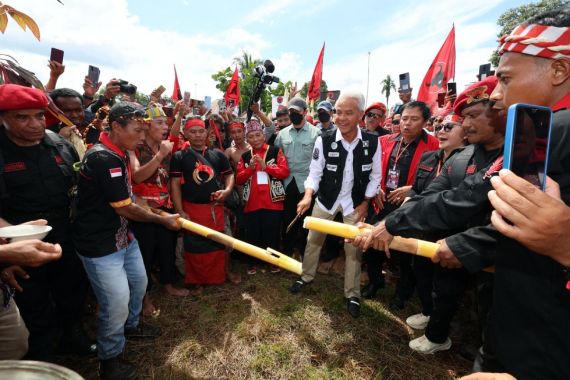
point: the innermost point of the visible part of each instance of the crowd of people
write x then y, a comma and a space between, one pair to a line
112, 177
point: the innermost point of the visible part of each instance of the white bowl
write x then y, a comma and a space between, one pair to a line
24, 232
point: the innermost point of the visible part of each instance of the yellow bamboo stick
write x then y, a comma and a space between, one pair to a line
268, 255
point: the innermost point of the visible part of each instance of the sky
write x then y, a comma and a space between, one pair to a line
139, 41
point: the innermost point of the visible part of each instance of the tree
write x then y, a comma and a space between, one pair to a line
21, 19
305, 89
515, 16
387, 85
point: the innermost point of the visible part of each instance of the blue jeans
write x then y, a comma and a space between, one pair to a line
119, 283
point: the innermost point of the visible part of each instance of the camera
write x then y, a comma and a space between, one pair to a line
265, 76
264, 73
126, 87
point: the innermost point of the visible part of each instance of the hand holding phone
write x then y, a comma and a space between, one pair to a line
56, 55
93, 74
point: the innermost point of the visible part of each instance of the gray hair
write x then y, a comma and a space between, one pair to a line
360, 101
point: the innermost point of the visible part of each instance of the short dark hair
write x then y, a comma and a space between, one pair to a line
426, 113
65, 93
559, 17
282, 112
217, 119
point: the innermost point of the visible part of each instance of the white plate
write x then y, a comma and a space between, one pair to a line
24, 232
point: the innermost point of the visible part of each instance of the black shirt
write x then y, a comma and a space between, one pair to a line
404, 153
34, 179
199, 172
104, 184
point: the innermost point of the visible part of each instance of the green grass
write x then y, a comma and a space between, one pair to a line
258, 330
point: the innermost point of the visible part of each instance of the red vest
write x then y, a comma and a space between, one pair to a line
388, 142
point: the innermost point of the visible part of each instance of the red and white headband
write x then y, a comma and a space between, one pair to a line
538, 40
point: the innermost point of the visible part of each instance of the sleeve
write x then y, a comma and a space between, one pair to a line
279, 170
316, 166
278, 142
375, 175
475, 248
176, 165
439, 209
225, 167
269, 131
175, 143
110, 174
243, 173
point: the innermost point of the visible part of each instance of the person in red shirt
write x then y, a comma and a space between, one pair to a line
261, 172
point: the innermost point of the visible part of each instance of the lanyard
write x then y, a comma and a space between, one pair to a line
399, 154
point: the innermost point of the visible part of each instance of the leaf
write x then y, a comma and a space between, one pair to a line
24, 21
3, 21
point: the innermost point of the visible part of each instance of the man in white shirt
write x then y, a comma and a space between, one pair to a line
345, 175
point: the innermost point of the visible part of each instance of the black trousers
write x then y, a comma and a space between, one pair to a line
157, 243
297, 236
423, 272
449, 285
54, 295
262, 229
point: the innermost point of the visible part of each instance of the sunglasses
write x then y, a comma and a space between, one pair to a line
447, 127
374, 115
133, 114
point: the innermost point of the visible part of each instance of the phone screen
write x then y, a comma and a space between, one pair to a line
451, 88
528, 158
440, 99
56, 55
93, 75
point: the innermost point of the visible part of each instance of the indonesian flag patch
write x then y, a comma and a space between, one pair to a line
116, 172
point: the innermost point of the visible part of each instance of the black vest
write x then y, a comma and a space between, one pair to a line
335, 158
276, 188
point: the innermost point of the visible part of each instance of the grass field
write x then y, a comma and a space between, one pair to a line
258, 330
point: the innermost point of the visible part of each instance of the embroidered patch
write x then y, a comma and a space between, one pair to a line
331, 168
471, 169
316, 154
14, 167
366, 152
334, 154
365, 143
426, 168
334, 145
59, 160
116, 172
367, 167
494, 168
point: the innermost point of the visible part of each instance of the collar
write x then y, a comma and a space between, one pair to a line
305, 127
262, 149
422, 136
105, 140
562, 103
338, 135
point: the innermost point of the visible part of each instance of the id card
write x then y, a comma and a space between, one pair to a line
262, 178
392, 179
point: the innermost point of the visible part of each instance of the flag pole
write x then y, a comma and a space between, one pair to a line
368, 78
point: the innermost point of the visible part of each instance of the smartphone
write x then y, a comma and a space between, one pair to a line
405, 82
222, 105
451, 88
527, 142
440, 99
56, 55
93, 75
168, 111
484, 71
159, 91
187, 98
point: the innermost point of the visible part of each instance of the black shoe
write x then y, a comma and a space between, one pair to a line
117, 369
370, 289
298, 286
397, 303
353, 306
142, 331
76, 341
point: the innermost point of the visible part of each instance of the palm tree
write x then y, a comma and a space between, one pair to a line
246, 61
387, 85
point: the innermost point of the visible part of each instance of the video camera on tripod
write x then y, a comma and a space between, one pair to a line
265, 76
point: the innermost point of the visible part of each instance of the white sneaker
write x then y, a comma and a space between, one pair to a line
418, 321
424, 346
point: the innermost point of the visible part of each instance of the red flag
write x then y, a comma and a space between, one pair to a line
232, 93
176, 94
314, 90
440, 72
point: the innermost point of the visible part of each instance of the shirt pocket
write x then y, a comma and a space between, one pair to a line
288, 148
307, 150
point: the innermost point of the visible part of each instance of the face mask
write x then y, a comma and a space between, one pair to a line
324, 117
296, 118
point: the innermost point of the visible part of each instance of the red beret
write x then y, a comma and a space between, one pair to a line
16, 97
475, 93
376, 106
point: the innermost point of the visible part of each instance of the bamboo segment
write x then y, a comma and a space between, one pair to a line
268, 255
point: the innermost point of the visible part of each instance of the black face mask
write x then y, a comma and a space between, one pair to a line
296, 118
324, 117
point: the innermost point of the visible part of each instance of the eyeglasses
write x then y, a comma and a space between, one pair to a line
374, 115
447, 127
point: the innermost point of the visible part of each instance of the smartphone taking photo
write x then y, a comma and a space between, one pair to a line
93, 75
56, 55
527, 142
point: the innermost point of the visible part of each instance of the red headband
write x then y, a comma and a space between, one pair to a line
236, 125
194, 123
538, 40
